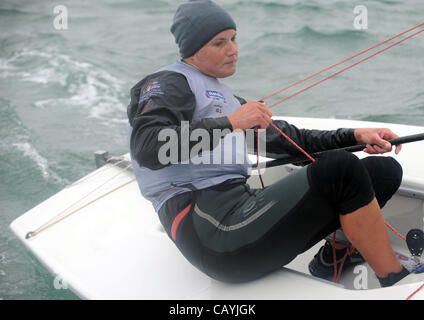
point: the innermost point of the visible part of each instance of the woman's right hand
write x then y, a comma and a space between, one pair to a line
250, 115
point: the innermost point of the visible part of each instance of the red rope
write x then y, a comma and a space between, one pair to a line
343, 61
329, 77
342, 70
257, 161
349, 251
292, 142
285, 136
410, 296
337, 274
395, 231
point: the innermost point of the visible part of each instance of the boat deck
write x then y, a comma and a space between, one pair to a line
106, 245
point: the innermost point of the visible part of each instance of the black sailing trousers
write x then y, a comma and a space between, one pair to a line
234, 233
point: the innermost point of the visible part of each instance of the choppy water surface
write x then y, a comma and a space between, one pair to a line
63, 93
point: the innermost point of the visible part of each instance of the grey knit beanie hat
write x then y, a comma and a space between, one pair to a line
196, 23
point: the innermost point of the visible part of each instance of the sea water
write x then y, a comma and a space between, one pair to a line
66, 70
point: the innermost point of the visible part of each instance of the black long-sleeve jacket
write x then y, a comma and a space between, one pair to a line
164, 99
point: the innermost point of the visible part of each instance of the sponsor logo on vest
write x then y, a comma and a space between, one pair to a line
214, 95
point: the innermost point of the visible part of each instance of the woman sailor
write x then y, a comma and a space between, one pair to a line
225, 228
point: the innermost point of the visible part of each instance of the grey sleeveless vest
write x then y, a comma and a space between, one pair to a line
227, 161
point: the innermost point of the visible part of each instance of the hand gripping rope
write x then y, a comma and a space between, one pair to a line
337, 274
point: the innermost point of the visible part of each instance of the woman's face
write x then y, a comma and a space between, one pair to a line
217, 58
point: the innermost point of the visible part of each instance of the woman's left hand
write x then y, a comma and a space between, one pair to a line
376, 140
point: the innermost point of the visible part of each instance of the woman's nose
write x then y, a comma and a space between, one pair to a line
232, 48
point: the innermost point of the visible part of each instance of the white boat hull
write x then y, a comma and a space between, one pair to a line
115, 247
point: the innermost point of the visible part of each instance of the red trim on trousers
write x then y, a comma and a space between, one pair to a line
177, 221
